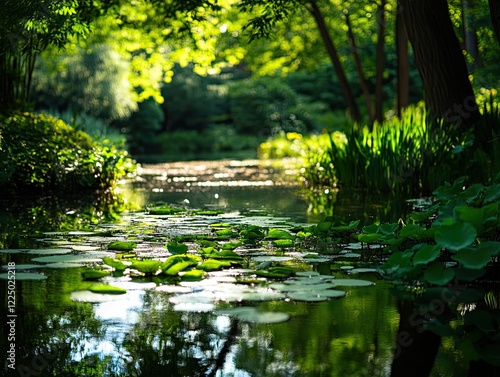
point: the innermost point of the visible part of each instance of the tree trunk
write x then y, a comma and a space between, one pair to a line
441, 64
470, 37
334, 57
403, 66
379, 66
359, 68
495, 16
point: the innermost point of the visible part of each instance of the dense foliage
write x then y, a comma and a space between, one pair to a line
39, 152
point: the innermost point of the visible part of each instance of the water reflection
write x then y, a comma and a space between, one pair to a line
141, 334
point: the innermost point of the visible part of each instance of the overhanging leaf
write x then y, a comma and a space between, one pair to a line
427, 254
437, 274
473, 257
455, 236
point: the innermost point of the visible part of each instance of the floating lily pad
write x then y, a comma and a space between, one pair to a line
54, 251
353, 283
116, 264
193, 275
122, 245
26, 266
363, 270
24, 276
271, 258
107, 289
307, 273
13, 251
301, 287
321, 295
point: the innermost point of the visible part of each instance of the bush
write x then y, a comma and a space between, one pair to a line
40, 152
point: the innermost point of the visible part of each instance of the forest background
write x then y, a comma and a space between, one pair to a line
211, 79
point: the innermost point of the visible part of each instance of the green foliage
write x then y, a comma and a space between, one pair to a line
272, 103
93, 81
39, 152
143, 126
412, 155
122, 245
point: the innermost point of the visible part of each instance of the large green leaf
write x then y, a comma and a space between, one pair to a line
473, 257
437, 274
275, 234
177, 247
455, 236
481, 218
427, 254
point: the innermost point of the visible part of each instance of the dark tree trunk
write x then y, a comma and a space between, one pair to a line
495, 16
359, 68
334, 57
379, 67
469, 30
403, 69
439, 59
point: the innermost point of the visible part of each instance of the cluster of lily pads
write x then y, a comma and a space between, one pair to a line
204, 258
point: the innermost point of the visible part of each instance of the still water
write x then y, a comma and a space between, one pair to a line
146, 333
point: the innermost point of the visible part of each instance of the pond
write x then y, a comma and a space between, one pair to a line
236, 321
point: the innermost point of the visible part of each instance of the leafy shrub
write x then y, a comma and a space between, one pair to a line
40, 152
412, 155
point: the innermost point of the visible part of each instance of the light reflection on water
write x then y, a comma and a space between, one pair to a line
141, 333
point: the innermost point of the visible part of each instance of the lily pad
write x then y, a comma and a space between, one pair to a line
363, 270
353, 283
107, 289
24, 276
54, 251
122, 245
321, 295
13, 251
301, 287
193, 275
26, 266
271, 258
455, 236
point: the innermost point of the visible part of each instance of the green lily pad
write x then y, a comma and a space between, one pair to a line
177, 247
26, 266
353, 283
363, 270
437, 274
277, 234
271, 258
116, 264
301, 287
321, 295
148, 266
54, 251
473, 257
107, 289
122, 245
13, 251
213, 265
426, 254
193, 275
455, 236
24, 276
307, 273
